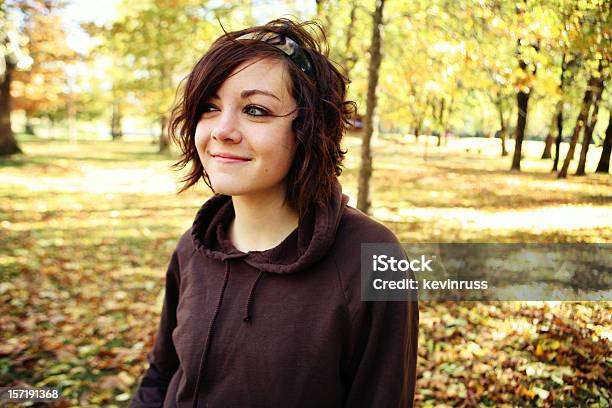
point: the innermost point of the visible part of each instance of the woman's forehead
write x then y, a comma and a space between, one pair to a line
267, 75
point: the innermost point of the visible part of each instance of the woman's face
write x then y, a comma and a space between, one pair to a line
244, 150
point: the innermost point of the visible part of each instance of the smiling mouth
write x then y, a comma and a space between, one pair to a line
228, 158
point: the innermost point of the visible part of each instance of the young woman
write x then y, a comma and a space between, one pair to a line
263, 301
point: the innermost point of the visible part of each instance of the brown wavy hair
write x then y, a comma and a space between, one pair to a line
323, 111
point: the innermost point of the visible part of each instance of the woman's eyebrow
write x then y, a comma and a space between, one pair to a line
249, 92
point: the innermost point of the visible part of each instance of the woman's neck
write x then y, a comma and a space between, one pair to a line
261, 222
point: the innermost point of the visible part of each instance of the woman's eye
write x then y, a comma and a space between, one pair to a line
255, 111
208, 108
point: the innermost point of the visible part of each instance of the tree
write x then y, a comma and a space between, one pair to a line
580, 121
9, 52
591, 42
559, 114
592, 121
488, 61
404, 86
8, 143
343, 30
118, 73
548, 142
116, 118
149, 40
604, 161
42, 86
503, 122
522, 104
528, 69
365, 172
571, 39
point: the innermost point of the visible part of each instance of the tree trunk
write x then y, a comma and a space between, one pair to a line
522, 103
417, 130
319, 4
546, 154
29, 128
522, 99
604, 161
350, 55
365, 172
440, 121
504, 128
559, 137
8, 143
164, 140
582, 117
116, 128
51, 128
588, 130
449, 113
586, 140
502, 135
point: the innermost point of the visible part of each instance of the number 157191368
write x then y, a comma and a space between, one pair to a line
12, 394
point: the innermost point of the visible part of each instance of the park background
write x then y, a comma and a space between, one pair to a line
479, 121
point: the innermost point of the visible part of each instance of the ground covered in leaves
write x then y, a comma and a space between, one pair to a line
86, 231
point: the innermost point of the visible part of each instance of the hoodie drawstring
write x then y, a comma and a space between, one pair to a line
247, 306
210, 333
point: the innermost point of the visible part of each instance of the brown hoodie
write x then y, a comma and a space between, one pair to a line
284, 327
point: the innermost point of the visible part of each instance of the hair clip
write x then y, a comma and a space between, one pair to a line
287, 45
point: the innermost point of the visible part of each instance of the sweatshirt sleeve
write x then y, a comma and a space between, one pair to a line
384, 363
163, 360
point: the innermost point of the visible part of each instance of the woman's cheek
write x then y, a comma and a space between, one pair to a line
200, 143
202, 132
199, 139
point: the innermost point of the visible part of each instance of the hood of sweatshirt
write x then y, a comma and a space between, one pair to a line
307, 244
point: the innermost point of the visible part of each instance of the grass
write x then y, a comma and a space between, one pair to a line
86, 231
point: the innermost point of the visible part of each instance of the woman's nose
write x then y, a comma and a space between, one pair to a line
225, 130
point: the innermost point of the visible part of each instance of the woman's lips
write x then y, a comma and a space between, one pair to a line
229, 158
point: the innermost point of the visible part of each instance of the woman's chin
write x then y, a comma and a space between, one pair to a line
248, 189
230, 189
